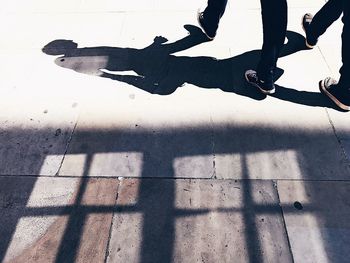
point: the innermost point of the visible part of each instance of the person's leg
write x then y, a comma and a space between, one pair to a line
329, 13
345, 69
274, 16
339, 92
315, 26
214, 10
209, 19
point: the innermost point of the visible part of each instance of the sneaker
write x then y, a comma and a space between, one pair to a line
252, 78
305, 22
339, 95
209, 32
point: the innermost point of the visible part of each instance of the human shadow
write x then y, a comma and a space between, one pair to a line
155, 68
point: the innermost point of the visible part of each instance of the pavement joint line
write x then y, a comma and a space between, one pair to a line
111, 226
325, 60
147, 11
66, 150
344, 153
179, 212
180, 178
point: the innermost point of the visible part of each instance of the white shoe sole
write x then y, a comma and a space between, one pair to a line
269, 92
306, 43
324, 90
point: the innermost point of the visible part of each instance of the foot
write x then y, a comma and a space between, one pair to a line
305, 22
339, 95
208, 30
252, 78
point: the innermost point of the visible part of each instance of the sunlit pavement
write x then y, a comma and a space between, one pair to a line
128, 151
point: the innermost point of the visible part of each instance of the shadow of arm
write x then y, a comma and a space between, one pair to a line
136, 81
148, 85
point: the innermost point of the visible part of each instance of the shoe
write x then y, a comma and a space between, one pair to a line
252, 78
305, 22
209, 32
339, 95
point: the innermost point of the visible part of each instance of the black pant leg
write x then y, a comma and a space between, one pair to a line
345, 69
274, 17
214, 11
329, 13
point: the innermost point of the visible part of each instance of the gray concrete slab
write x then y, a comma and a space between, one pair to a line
340, 122
55, 219
34, 136
198, 220
318, 225
273, 153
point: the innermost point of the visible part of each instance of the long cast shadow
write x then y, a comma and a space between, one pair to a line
158, 71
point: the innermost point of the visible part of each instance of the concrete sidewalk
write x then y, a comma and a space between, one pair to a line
96, 168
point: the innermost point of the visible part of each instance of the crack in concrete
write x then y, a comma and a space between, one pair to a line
112, 223
67, 147
344, 152
325, 60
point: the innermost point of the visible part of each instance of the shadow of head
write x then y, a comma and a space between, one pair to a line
89, 60
59, 47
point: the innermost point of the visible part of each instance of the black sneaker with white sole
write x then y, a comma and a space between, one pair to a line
306, 20
339, 95
252, 78
209, 30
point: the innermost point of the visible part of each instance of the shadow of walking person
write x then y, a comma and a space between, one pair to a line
155, 68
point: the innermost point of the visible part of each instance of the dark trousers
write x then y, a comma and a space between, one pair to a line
274, 17
329, 13
345, 69
214, 11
